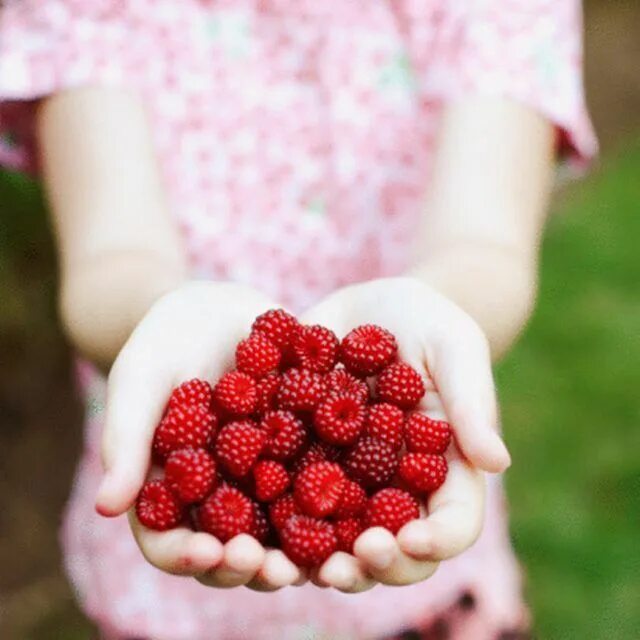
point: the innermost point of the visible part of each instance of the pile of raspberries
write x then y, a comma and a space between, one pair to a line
307, 443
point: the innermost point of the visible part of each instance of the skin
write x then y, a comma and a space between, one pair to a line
126, 304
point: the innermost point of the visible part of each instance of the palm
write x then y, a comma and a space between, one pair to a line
445, 345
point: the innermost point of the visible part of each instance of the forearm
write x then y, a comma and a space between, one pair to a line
118, 247
485, 213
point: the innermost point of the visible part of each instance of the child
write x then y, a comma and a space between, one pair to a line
362, 161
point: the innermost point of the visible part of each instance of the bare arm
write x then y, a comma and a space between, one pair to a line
122, 268
485, 213
118, 248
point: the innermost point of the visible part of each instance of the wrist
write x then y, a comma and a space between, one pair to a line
102, 301
495, 286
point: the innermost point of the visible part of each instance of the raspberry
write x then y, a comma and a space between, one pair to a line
271, 479
300, 390
315, 348
184, 426
341, 381
400, 384
339, 419
371, 462
423, 472
190, 474
238, 446
347, 532
282, 509
267, 390
157, 508
317, 452
352, 501
368, 349
317, 488
277, 325
260, 530
384, 422
236, 393
307, 541
425, 435
226, 513
257, 355
392, 509
285, 434
192, 392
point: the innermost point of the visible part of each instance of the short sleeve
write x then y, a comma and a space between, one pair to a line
527, 50
53, 45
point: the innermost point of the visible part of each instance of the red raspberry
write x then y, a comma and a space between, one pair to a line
425, 435
315, 348
236, 393
308, 542
267, 390
300, 390
384, 422
238, 446
157, 508
352, 501
392, 509
347, 532
257, 355
371, 462
282, 509
339, 419
261, 529
191, 392
341, 381
226, 513
367, 349
400, 384
285, 434
423, 472
271, 479
277, 325
184, 426
317, 452
190, 474
318, 487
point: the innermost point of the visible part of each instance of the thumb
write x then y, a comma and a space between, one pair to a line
134, 407
461, 368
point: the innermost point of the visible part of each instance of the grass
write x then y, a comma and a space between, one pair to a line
569, 395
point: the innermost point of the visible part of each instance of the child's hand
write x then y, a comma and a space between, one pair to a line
444, 343
190, 332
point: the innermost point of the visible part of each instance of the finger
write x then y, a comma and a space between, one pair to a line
394, 568
135, 402
460, 364
456, 513
178, 551
277, 571
376, 548
346, 573
243, 557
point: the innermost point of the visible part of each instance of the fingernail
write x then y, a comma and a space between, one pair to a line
504, 455
103, 491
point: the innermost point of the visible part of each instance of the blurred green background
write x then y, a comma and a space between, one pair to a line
569, 390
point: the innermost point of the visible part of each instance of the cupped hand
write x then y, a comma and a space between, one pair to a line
190, 332
446, 346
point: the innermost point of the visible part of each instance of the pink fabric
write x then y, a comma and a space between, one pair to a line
295, 138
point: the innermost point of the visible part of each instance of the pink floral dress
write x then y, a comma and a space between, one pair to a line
295, 138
